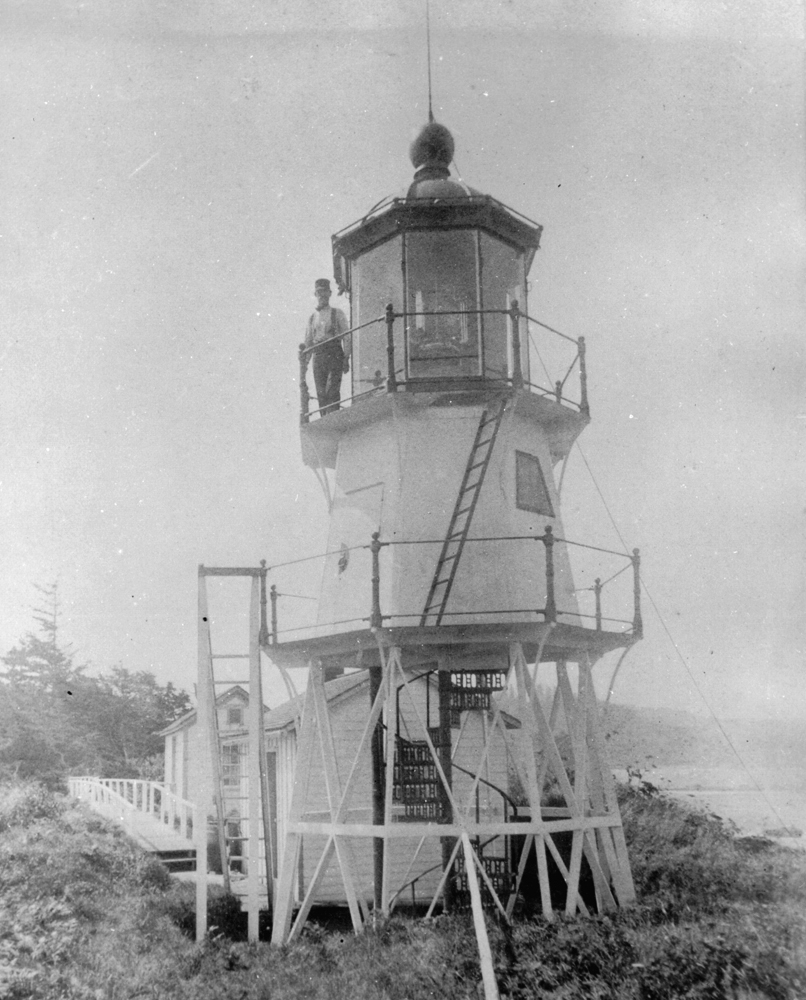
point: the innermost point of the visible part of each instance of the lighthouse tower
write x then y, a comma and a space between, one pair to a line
447, 559
473, 775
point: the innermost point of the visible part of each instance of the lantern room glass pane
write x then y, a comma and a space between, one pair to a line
377, 279
502, 283
442, 278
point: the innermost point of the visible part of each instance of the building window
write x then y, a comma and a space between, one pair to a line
531, 492
234, 716
231, 764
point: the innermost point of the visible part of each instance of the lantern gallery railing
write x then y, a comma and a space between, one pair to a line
410, 364
597, 606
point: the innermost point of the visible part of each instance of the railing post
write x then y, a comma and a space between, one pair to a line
263, 635
391, 378
583, 378
638, 622
304, 395
274, 595
517, 369
597, 590
550, 611
376, 619
558, 391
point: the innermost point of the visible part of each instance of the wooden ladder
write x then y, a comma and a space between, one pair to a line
462, 516
245, 839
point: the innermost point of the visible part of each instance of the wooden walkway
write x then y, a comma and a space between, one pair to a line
159, 821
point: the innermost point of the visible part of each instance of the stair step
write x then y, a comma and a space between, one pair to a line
182, 860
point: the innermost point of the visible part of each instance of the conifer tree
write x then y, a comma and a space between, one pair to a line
57, 720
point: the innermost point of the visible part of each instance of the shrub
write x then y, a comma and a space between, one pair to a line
224, 915
25, 802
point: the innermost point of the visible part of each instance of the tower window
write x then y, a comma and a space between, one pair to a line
531, 492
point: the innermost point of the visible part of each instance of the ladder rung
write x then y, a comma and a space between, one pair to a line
482, 446
230, 656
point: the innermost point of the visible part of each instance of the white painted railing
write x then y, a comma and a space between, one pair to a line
123, 799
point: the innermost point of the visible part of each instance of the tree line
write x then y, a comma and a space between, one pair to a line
57, 720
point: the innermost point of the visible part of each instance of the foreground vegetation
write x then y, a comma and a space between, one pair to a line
85, 915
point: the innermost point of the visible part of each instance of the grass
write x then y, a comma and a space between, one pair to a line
85, 915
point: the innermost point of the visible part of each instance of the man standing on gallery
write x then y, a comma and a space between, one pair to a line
331, 350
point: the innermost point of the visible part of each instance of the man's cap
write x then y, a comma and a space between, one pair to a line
322, 283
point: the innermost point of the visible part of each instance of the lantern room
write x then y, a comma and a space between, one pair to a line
452, 263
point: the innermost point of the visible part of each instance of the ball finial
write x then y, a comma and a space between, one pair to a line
434, 145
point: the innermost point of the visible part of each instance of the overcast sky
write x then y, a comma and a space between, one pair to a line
172, 175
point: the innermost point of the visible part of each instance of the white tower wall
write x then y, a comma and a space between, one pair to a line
401, 475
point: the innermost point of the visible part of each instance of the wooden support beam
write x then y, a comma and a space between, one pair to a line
411, 831
307, 902
376, 682
533, 788
293, 839
490, 888
388, 687
205, 791
258, 789
333, 788
622, 876
443, 878
446, 800
482, 940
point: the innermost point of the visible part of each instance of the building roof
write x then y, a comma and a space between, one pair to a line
286, 714
189, 718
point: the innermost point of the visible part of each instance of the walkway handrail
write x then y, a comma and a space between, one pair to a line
126, 797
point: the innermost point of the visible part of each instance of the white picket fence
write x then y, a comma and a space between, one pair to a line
129, 802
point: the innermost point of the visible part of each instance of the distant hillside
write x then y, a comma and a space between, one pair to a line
657, 737
647, 737
665, 737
